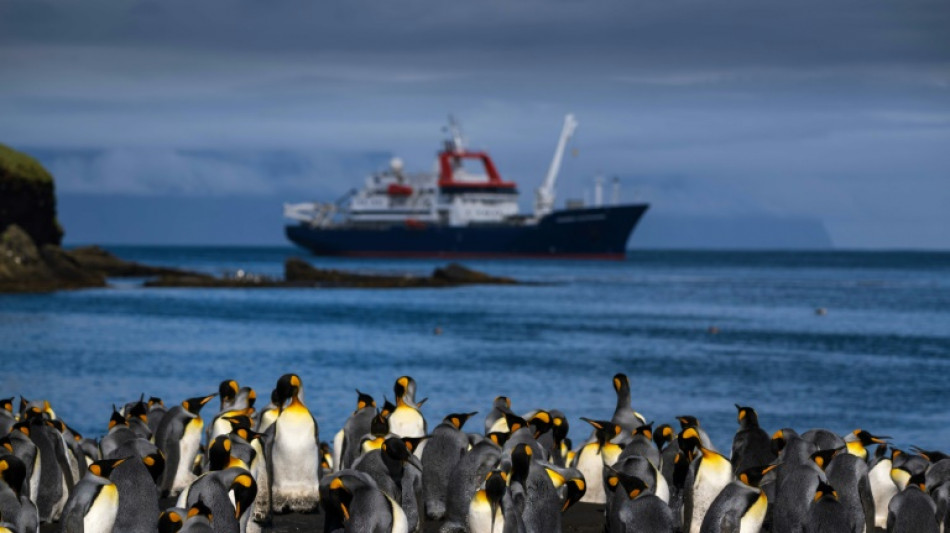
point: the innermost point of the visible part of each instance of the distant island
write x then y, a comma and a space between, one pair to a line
32, 260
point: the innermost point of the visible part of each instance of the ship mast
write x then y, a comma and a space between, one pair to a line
544, 198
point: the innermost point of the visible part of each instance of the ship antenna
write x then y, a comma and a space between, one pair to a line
455, 129
544, 197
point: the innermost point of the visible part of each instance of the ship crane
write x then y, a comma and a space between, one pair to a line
544, 198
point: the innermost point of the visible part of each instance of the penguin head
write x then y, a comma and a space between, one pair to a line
931, 455
379, 426
458, 419
13, 472
753, 476
496, 483
155, 401
169, 521
603, 430
576, 487
200, 509
400, 450
867, 439
621, 385
7, 404
781, 437
219, 453
498, 437
251, 397
288, 386
919, 481
515, 422
245, 490
239, 421
117, 420
364, 400
194, 405
681, 464
405, 390
646, 430
103, 468
227, 391
559, 426
633, 485
6, 443
825, 492
823, 458
139, 410
663, 435
388, 407
338, 498
155, 464
689, 441
521, 457
687, 421
747, 417
541, 423
502, 402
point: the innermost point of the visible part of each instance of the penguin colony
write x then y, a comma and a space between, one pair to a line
387, 472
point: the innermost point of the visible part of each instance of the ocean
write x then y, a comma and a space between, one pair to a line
696, 332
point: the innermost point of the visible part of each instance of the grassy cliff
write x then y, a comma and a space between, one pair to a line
27, 197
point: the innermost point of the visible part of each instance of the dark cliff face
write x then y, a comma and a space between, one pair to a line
27, 197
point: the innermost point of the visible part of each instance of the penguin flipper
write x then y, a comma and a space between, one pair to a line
73, 514
867, 503
730, 523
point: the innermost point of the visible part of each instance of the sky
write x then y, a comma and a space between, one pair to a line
834, 112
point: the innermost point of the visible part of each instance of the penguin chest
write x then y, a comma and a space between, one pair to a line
407, 422
590, 462
295, 452
754, 516
100, 517
187, 451
480, 515
882, 490
713, 473
220, 427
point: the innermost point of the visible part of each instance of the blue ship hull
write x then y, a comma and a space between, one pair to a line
590, 233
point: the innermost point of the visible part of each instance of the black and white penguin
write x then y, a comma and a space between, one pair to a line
352, 502
466, 477
592, 457
624, 415
398, 473
94, 503
636, 508
741, 507
293, 453
55, 473
708, 474
346, 443
492, 509
848, 473
913, 510
751, 445
444, 450
136, 479
796, 490
16, 507
179, 437
406, 420
827, 514
495, 420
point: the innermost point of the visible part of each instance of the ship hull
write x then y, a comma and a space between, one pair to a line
592, 233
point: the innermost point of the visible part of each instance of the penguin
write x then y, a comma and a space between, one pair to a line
7, 418
135, 479
624, 415
688, 421
881, 486
665, 440
18, 443
643, 468
406, 420
796, 489
228, 494
16, 507
495, 420
848, 473
55, 475
378, 430
913, 510
534, 493
906, 466
136, 415
235, 401
353, 503
444, 450
492, 510
641, 444
118, 434
857, 441
708, 474
636, 508
171, 520
466, 477
198, 520
741, 507
592, 457
824, 439
293, 451
156, 411
94, 503
179, 437
357, 425
827, 514
528, 431
751, 445
554, 442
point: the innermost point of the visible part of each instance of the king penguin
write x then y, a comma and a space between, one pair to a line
179, 438
445, 449
709, 473
827, 514
492, 510
624, 415
294, 451
741, 507
636, 508
406, 420
94, 503
135, 479
796, 489
592, 457
357, 425
466, 477
913, 510
352, 502
751, 445
15, 506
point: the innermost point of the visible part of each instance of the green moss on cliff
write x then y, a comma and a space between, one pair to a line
17, 165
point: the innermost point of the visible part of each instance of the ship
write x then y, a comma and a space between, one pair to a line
463, 209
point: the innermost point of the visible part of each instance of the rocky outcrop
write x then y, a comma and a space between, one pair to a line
299, 271
95, 259
27, 197
26, 268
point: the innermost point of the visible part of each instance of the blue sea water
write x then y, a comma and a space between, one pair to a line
879, 359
